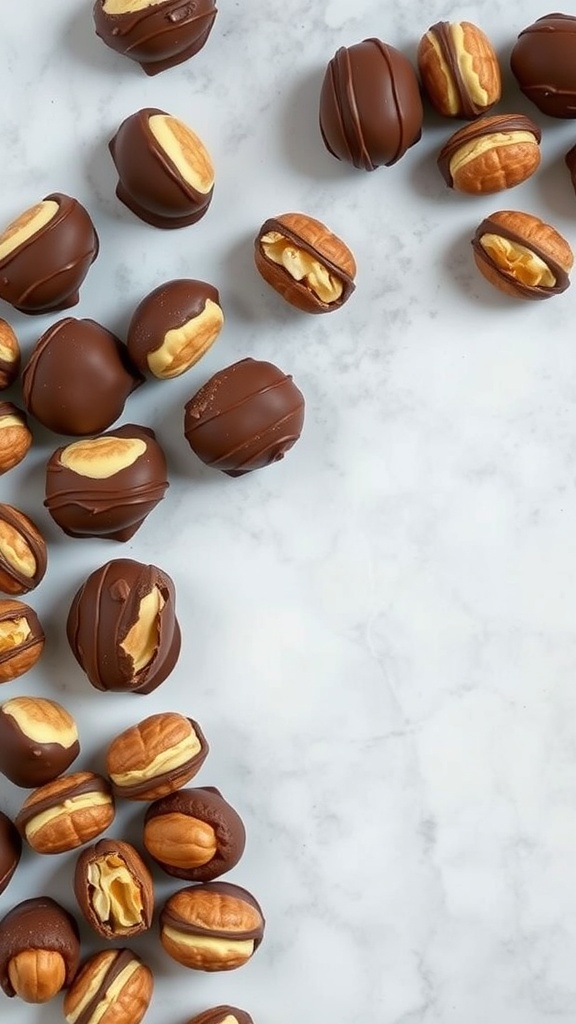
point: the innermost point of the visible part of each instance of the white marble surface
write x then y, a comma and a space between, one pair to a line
380, 631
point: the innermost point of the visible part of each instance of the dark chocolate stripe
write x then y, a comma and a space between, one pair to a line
489, 226
492, 125
123, 958
9, 515
272, 224
95, 784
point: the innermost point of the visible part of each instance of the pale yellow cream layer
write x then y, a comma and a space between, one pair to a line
34, 723
13, 633
302, 266
141, 641
109, 997
165, 761
518, 260
224, 948
16, 552
477, 147
116, 898
76, 803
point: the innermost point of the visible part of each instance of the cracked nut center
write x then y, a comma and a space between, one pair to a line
301, 266
478, 147
114, 894
141, 641
518, 260
13, 633
15, 551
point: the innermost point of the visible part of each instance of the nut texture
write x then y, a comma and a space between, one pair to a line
10, 850
222, 1015
522, 256
543, 61
114, 987
155, 757
305, 262
66, 813
459, 69
15, 437
39, 950
114, 889
492, 154
21, 639
38, 740
213, 927
23, 556
157, 35
9, 355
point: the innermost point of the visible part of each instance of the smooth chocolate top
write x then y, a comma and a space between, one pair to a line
483, 128
167, 308
543, 61
121, 960
11, 609
28, 763
370, 105
245, 417
171, 919
10, 850
158, 37
218, 1014
489, 226
78, 377
48, 798
39, 923
102, 614
144, 789
19, 522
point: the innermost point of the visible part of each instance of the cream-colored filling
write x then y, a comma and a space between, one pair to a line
184, 346
7, 353
15, 551
165, 761
67, 807
185, 149
223, 948
302, 266
128, 6
26, 225
10, 421
101, 457
466, 65
478, 147
116, 898
450, 98
518, 261
141, 641
42, 720
13, 633
109, 997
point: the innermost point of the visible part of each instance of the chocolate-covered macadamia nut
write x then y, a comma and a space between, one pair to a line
45, 255
370, 106
21, 639
38, 740
39, 950
165, 173
122, 627
543, 62
10, 850
155, 757
114, 889
212, 927
9, 355
78, 378
23, 557
174, 326
15, 436
106, 486
113, 987
66, 813
245, 417
222, 1015
157, 34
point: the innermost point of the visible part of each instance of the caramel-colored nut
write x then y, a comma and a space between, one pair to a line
212, 927
305, 262
66, 813
9, 355
222, 1015
459, 69
113, 987
21, 639
26, 225
38, 740
39, 950
184, 346
128, 6
37, 975
522, 256
492, 154
23, 555
15, 436
157, 756
101, 457
114, 889
185, 150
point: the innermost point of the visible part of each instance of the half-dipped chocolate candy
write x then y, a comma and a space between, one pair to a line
222, 1015
459, 69
38, 740
157, 34
122, 626
212, 927
78, 378
10, 850
245, 417
105, 486
66, 813
15, 436
492, 154
155, 757
21, 639
45, 255
165, 172
23, 556
114, 889
39, 950
543, 61
113, 987
9, 355
522, 256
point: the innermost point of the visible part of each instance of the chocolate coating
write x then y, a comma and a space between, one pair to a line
10, 355
105, 609
27, 761
23, 536
245, 417
570, 161
78, 378
370, 105
483, 128
115, 506
543, 61
38, 924
158, 37
167, 308
115, 853
10, 850
44, 273
207, 805
120, 1009
24, 653
54, 796
215, 910
218, 1014
525, 291
155, 780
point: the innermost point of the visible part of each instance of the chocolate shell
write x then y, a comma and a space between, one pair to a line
23, 554
543, 61
157, 35
38, 741
38, 924
10, 850
173, 327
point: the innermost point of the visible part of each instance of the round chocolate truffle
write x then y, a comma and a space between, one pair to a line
10, 850
122, 627
39, 950
165, 173
38, 740
174, 326
106, 486
23, 556
245, 417
78, 378
543, 61
370, 105
45, 255
157, 34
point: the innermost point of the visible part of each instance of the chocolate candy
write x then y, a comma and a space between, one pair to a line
21, 639
9, 355
522, 256
10, 850
213, 927
459, 69
543, 61
66, 813
222, 1015
23, 557
38, 740
570, 160
157, 34
122, 627
39, 950
15, 436
370, 106
245, 417
165, 173
114, 987
155, 757
114, 889
174, 326
45, 255
78, 377
492, 154
106, 486
194, 834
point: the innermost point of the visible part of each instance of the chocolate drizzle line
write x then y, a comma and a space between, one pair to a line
8, 515
122, 959
443, 36
276, 225
492, 125
29, 811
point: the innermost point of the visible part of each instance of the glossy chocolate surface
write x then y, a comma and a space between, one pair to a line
168, 307
543, 62
245, 417
29, 762
113, 507
370, 105
44, 273
483, 128
78, 378
219, 1014
116, 852
158, 37
13, 578
10, 850
38, 924
525, 291
102, 613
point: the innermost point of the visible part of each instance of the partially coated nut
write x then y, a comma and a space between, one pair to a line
38, 740
23, 556
9, 355
459, 69
155, 757
39, 950
492, 154
222, 1015
15, 436
114, 889
66, 813
305, 262
10, 850
113, 987
21, 639
522, 256
213, 927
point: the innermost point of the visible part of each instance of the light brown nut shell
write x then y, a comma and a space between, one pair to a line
535, 235
450, 89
